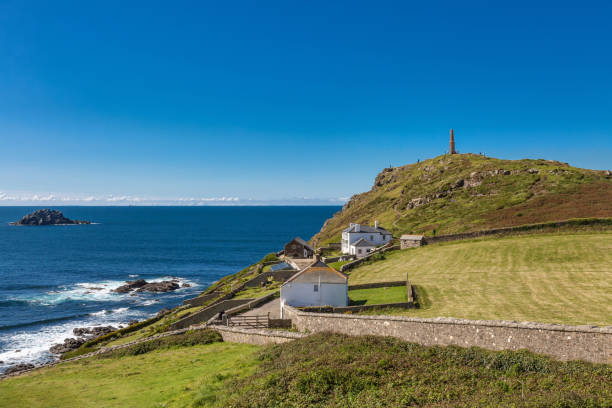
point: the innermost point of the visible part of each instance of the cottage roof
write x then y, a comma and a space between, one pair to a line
321, 273
412, 237
363, 243
302, 242
367, 229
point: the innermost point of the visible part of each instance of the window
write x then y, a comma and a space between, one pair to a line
359, 251
371, 237
316, 288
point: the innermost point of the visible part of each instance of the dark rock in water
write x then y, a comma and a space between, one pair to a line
81, 331
68, 345
19, 367
163, 312
130, 286
47, 217
102, 330
185, 285
93, 332
165, 286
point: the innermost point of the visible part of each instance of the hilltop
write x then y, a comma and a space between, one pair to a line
469, 192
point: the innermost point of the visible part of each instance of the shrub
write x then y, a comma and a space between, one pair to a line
190, 338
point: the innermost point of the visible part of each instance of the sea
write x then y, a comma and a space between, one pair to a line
56, 278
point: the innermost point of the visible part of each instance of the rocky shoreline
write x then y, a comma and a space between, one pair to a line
85, 334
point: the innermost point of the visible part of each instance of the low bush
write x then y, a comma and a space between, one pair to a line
341, 371
190, 338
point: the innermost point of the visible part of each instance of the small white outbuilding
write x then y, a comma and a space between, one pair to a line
315, 285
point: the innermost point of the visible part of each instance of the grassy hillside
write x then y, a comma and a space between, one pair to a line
175, 377
562, 278
318, 371
467, 192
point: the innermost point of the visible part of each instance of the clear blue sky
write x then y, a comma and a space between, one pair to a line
276, 100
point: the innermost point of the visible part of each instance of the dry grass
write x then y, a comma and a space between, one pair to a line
563, 278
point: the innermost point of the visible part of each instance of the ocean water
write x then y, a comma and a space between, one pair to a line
56, 278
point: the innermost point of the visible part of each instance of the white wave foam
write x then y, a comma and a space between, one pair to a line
33, 347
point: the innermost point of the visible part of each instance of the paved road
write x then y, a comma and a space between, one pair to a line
272, 306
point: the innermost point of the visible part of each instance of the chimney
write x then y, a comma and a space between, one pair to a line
376, 224
452, 143
317, 257
357, 227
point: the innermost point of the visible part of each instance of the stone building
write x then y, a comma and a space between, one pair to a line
298, 248
411, 241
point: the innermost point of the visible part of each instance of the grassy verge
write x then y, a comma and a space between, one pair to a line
560, 278
337, 265
376, 296
176, 377
329, 370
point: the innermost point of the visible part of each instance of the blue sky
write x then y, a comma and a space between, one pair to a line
169, 101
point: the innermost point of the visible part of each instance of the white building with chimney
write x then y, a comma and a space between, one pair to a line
360, 239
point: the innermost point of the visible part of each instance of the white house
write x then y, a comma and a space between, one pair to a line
315, 285
361, 248
376, 236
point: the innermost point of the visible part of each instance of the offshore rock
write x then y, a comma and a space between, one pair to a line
130, 286
47, 217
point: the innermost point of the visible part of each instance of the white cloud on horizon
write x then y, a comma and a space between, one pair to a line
54, 199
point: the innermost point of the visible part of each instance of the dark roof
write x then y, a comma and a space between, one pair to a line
368, 229
302, 242
364, 243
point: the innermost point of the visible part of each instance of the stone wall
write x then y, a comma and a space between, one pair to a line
521, 228
356, 263
377, 285
587, 343
278, 276
252, 304
205, 314
355, 309
259, 337
200, 300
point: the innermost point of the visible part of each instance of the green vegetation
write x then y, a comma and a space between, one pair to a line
469, 192
562, 278
180, 340
377, 296
258, 291
327, 369
271, 257
176, 377
317, 371
337, 265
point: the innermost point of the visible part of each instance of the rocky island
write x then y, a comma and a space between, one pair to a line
47, 217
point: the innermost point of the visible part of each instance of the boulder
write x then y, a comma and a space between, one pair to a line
68, 345
165, 286
163, 312
130, 286
18, 368
47, 217
185, 285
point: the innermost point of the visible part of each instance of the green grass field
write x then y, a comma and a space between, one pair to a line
322, 370
377, 296
176, 377
564, 278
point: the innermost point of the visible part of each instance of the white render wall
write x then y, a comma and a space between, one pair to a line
352, 237
303, 294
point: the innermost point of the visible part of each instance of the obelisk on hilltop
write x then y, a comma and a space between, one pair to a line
452, 143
